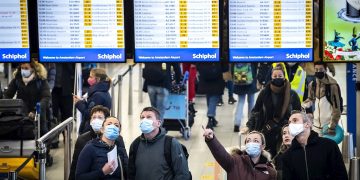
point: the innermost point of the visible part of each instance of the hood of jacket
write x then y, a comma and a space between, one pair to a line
102, 86
39, 71
162, 133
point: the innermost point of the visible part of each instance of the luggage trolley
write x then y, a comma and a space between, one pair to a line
176, 117
18, 141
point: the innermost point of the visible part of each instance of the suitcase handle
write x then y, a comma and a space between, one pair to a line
6, 149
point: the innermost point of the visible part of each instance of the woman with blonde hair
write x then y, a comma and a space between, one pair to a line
251, 163
98, 94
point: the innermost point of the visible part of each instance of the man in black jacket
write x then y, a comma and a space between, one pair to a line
311, 156
98, 114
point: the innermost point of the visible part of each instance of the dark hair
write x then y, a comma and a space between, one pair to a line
320, 63
109, 117
100, 108
152, 109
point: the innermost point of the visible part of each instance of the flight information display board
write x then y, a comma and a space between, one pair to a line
176, 30
81, 31
14, 31
270, 30
341, 30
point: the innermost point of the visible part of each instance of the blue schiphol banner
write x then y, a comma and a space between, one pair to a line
183, 55
270, 30
176, 30
81, 31
14, 31
271, 54
82, 55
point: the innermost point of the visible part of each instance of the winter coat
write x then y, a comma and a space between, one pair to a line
239, 165
93, 158
37, 90
83, 139
248, 89
166, 83
67, 77
98, 94
150, 162
214, 85
322, 156
324, 112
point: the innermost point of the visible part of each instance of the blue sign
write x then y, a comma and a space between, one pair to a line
271, 54
351, 102
15, 55
175, 107
82, 55
177, 55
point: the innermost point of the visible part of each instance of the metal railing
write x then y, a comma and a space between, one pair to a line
119, 82
41, 147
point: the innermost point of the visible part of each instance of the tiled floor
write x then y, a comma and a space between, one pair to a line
201, 162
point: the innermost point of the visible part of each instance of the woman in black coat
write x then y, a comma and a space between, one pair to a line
272, 109
98, 94
212, 84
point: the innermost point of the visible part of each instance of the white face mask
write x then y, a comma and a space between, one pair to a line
296, 129
96, 124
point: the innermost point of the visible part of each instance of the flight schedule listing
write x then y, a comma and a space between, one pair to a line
275, 30
14, 31
176, 30
81, 30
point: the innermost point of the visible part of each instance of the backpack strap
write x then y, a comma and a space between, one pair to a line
167, 150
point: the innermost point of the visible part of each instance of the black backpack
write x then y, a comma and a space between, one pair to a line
154, 72
211, 72
167, 150
328, 94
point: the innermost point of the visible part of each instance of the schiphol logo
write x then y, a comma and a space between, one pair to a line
109, 56
298, 56
14, 56
204, 56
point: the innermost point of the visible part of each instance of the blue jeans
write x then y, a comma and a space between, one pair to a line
158, 98
211, 101
230, 87
240, 107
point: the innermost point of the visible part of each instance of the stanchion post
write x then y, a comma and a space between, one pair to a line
119, 99
9, 73
130, 108
140, 83
42, 161
12, 175
67, 152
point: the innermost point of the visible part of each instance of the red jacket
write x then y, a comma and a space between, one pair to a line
239, 165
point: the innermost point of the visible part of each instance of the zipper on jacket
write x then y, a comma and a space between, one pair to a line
306, 164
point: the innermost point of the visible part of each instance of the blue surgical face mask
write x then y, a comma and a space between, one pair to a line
253, 149
111, 132
25, 73
96, 124
146, 126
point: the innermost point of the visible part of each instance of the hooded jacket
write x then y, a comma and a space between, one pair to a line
239, 165
150, 162
37, 90
321, 159
83, 139
92, 159
98, 94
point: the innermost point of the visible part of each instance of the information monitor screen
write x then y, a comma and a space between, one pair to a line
176, 30
341, 30
14, 31
81, 30
270, 30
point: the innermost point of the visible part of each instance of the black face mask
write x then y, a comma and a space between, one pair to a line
319, 75
278, 82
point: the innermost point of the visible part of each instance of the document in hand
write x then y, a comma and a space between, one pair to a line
112, 156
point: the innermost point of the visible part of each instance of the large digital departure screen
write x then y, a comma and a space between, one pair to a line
341, 30
270, 30
176, 30
14, 31
81, 30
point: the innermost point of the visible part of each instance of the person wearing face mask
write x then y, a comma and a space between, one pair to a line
327, 110
272, 109
311, 156
30, 85
147, 157
251, 163
285, 145
98, 115
98, 94
93, 159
